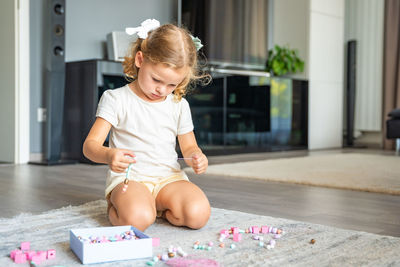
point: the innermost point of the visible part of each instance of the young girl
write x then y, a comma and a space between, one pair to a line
144, 118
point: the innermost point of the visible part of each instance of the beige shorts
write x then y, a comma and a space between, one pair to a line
154, 187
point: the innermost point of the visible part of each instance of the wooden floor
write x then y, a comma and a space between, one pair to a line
32, 188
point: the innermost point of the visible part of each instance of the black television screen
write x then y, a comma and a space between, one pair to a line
233, 32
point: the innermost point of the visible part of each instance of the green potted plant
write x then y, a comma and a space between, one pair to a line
282, 60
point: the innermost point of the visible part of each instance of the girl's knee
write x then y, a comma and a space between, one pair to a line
196, 214
140, 218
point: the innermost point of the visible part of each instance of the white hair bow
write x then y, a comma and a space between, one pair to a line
144, 28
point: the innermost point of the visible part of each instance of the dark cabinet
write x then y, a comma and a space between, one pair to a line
240, 113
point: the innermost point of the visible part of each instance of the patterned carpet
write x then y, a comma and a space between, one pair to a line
363, 172
333, 246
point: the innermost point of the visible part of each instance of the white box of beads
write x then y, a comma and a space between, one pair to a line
104, 244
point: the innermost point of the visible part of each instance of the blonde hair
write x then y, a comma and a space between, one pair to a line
172, 46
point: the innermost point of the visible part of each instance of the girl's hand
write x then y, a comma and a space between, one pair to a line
199, 162
119, 159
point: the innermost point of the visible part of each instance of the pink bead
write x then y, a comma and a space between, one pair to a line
235, 230
51, 254
29, 254
37, 259
224, 232
210, 244
42, 255
25, 246
14, 252
264, 229
255, 230
237, 237
155, 241
20, 258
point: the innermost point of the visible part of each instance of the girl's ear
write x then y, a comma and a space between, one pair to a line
139, 59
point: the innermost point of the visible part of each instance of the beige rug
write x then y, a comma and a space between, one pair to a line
364, 172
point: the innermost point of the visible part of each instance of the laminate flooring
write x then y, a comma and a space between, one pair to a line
35, 189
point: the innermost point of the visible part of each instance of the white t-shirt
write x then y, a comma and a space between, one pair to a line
149, 129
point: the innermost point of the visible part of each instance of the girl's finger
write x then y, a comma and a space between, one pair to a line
128, 160
122, 166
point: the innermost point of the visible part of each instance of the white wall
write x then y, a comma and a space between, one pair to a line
326, 50
14, 77
22, 90
364, 23
8, 82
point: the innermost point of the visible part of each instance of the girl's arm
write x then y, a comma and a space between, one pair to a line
94, 150
190, 149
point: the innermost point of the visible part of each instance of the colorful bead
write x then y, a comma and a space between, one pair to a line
261, 244
210, 244
264, 229
222, 245
164, 257
171, 254
181, 252
37, 259
233, 246
150, 263
19, 257
237, 237
14, 252
51, 254
255, 229
25, 246
224, 232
